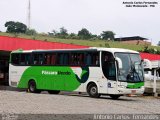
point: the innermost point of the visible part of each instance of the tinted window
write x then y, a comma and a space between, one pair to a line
50, 59
77, 59
92, 59
62, 59
38, 59
21, 59
108, 65
15, 58
25, 59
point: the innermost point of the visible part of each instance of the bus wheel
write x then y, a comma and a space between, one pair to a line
32, 87
92, 90
115, 97
53, 91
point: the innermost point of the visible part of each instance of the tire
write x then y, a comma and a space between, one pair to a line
92, 90
53, 91
115, 97
32, 87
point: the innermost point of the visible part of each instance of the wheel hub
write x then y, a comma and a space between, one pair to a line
93, 90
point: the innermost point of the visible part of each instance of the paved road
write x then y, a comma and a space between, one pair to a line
22, 102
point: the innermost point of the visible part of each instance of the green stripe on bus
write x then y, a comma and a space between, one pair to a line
53, 78
135, 85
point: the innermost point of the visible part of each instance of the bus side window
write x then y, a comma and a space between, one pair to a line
50, 59
37, 59
96, 58
66, 59
53, 59
77, 59
41, 59
15, 58
73, 59
22, 59
63, 59
28, 59
92, 59
25, 59
80, 58
47, 59
88, 59
59, 59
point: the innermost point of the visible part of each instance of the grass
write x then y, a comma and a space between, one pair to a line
94, 43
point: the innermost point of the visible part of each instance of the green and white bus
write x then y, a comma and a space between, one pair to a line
97, 71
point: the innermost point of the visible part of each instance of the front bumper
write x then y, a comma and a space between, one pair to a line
131, 91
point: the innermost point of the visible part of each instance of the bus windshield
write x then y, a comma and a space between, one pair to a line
131, 69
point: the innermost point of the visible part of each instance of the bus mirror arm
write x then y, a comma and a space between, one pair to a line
119, 62
141, 62
118, 70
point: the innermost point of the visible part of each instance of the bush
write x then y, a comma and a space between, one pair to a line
150, 50
31, 32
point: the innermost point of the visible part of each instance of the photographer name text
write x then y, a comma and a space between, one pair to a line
144, 4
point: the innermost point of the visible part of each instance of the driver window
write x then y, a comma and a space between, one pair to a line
108, 65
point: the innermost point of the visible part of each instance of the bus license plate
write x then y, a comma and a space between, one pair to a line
133, 91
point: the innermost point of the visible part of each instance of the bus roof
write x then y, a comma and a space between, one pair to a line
113, 50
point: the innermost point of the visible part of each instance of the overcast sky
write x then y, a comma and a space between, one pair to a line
95, 15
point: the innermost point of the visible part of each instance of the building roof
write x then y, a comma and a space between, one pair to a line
130, 38
149, 56
11, 43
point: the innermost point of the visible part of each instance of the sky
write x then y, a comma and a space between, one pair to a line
95, 15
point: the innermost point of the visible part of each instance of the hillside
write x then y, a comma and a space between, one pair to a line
94, 43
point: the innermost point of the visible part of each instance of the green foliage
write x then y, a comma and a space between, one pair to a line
15, 27
84, 34
73, 36
107, 35
107, 45
63, 31
15, 35
31, 32
150, 50
100, 45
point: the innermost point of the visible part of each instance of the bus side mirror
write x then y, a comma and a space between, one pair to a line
147, 64
119, 62
141, 62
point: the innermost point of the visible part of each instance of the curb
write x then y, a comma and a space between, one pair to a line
10, 88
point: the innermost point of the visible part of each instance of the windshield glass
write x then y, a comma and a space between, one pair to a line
131, 68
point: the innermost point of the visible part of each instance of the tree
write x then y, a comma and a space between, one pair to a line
62, 34
107, 35
63, 31
54, 32
73, 36
158, 43
84, 34
15, 27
